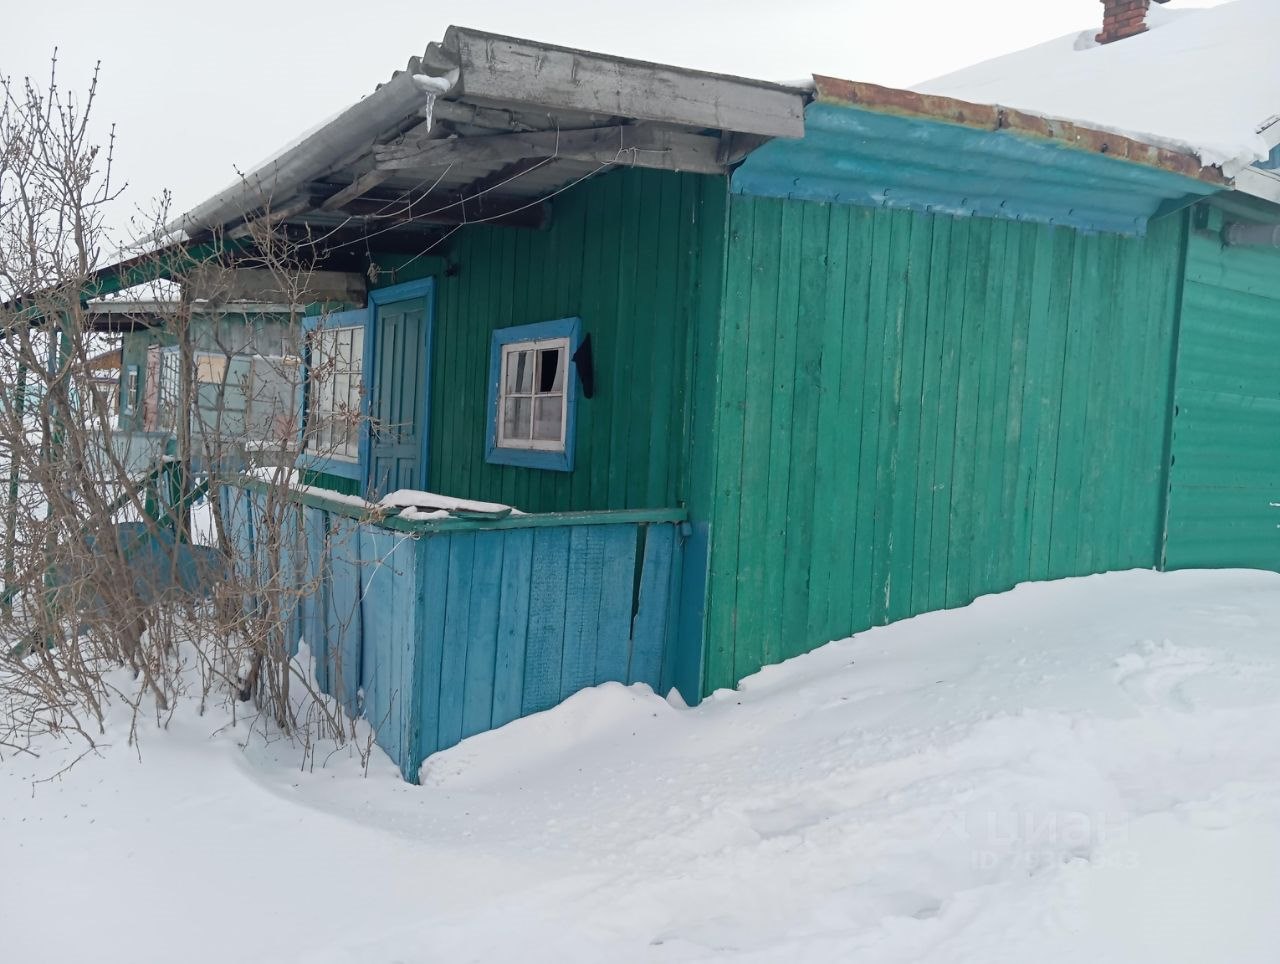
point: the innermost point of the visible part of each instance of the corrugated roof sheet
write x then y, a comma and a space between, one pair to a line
870, 146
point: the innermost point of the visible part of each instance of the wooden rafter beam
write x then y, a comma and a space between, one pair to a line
634, 146
357, 188
432, 210
268, 219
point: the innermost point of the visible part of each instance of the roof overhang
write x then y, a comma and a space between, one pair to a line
485, 128
122, 316
872, 145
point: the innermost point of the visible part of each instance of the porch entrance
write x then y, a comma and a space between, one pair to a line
399, 396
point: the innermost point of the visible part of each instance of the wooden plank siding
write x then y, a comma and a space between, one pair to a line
436, 636
1225, 465
914, 410
635, 254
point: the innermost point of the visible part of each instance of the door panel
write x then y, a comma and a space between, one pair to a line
397, 403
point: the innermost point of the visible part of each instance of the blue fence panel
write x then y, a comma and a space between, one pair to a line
447, 634
649, 628
617, 603
433, 575
457, 630
482, 641
313, 572
513, 625
582, 609
343, 628
548, 590
389, 631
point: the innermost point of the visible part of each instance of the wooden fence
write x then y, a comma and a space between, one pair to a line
440, 629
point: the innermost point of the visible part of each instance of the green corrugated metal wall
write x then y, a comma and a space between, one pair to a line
637, 255
915, 410
1226, 436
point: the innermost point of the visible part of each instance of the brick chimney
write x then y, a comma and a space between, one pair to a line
1123, 18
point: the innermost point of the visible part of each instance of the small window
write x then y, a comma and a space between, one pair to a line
532, 395
335, 382
129, 404
170, 389
533, 409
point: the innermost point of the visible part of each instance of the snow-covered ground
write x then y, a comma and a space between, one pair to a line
1083, 771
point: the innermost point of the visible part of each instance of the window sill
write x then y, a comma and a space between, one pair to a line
530, 458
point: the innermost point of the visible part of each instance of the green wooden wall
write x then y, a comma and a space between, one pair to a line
915, 410
637, 256
1225, 473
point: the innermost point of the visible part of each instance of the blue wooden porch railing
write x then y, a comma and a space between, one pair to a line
437, 630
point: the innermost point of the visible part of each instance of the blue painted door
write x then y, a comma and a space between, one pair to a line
399, 394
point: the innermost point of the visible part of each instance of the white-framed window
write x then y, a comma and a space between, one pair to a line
130, 390
334, 385
169, 388
534, 414
533, 395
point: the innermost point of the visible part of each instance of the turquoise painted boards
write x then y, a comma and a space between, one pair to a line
438, 637
914, 410
636, 256
1225, 473
400, 344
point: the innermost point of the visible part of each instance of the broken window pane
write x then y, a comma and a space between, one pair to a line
550, 371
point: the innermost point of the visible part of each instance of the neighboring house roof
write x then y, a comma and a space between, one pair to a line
1205, 81
107, 361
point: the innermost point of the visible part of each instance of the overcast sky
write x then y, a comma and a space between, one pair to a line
196, 89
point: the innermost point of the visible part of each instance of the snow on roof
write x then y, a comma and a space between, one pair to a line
1205, 80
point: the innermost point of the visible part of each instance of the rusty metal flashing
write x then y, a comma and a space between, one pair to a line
949, 110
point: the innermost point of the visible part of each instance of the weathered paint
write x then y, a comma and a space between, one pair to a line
231, 333
1225, 472
134, 347
398, 340
1011, 121
635, 255
436, 636
874, 158
914, 410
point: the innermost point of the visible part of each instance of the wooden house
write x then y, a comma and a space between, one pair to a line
247, 374
760, 366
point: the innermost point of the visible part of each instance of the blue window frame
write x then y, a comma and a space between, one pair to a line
533, 395
340, 337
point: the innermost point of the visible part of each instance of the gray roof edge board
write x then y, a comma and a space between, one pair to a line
152, 307
351, 132
454, 36
498, 67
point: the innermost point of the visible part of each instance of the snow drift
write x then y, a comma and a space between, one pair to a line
1076, 771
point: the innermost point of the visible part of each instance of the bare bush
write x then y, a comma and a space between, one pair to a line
116, 555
